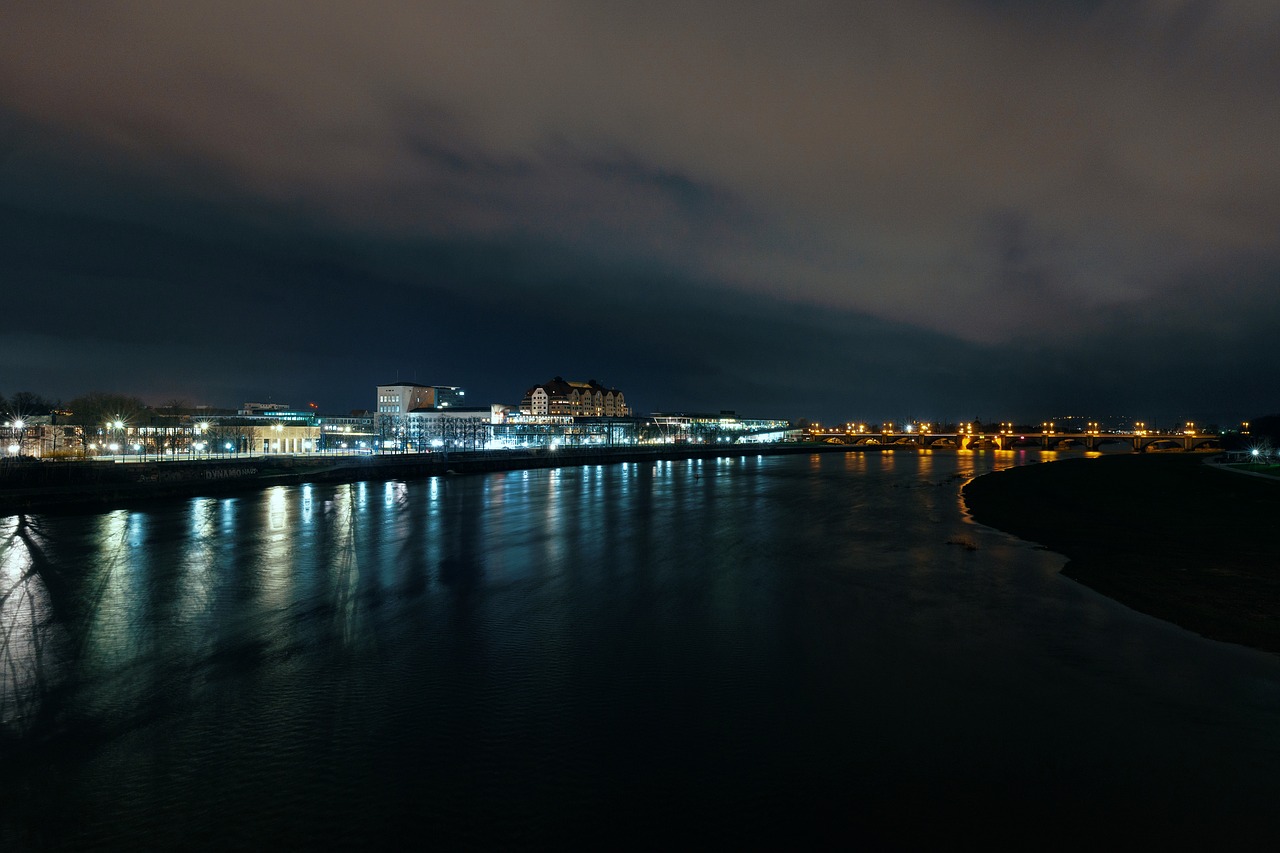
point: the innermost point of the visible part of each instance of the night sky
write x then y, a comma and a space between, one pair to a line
936, 210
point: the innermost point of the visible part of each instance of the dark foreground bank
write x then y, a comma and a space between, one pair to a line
1166, 535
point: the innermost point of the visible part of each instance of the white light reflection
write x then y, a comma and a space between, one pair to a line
344, 570
551, 521
277, 563
113, 634
277, 515
29, 665
197, 580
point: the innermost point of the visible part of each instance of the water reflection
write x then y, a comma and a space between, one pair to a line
344, 563
28, 664
625, 639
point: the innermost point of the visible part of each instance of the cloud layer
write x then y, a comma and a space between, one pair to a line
875, 194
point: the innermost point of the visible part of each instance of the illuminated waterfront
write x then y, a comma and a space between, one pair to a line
744, 645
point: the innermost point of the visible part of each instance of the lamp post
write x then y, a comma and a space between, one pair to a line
201, 428
17, 436
19, 426
116, 427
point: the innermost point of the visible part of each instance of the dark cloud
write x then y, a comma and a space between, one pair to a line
803, 208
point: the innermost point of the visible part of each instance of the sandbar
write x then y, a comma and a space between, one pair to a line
1165, 534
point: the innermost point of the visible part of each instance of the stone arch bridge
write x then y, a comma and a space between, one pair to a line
1138, 441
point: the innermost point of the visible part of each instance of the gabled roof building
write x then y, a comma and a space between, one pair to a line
561, 397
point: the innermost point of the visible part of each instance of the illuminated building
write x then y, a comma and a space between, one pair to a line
403, 397
561, 397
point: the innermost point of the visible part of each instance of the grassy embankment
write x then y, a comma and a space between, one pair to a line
1164, 534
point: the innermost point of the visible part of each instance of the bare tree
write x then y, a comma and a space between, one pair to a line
27, 403
232, 438
95, 410
175, 406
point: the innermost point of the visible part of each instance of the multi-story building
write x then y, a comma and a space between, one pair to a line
263, 408
403, 397
707, 427
409, 416
352, 431
587, 399
460, 427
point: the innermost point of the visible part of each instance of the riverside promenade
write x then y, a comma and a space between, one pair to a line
95, 483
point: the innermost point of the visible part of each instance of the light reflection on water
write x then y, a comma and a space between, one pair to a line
612, 640
25, 631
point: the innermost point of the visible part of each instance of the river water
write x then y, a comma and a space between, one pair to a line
703, 652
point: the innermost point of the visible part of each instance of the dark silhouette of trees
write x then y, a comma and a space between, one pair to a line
98, 407
93, 411
28, 403
241, 437
175, 407
1266, 428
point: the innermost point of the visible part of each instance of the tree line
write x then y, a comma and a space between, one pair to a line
96, 407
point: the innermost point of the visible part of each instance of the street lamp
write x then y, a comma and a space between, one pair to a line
115, 429
201, 428
18, 425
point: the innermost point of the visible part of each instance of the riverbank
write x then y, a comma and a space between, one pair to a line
1164, 534
78, 484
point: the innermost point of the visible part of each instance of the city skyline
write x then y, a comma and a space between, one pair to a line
939, 209
21, 407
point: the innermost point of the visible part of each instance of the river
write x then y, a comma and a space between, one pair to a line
816, 650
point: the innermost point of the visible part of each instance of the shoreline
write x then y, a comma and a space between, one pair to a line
1165, 535
89, 485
